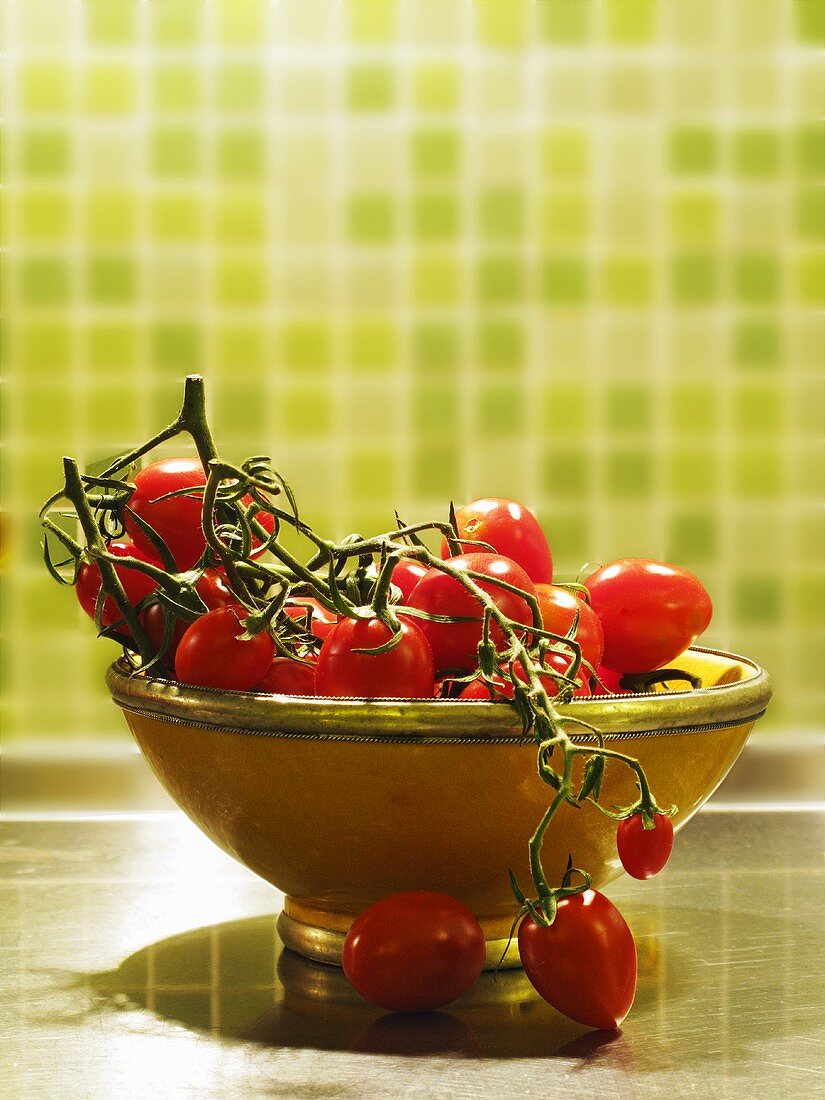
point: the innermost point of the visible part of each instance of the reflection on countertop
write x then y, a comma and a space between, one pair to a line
139, 960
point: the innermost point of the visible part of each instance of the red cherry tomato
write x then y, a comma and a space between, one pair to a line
511, 529
584, 964
478, 689
403, 672
561, 663
650, 612
413, 952
153, 621
455, 645
287, 677
405, 575
212, 653
211, 588
558, 608
136, 585
644, 852
609, 682
322, 621
178, 519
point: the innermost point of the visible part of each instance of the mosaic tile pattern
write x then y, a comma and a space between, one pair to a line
568, 251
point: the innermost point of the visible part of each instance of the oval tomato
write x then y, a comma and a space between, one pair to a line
455, 645
288, 677
644, 852
511, 529
558, 608
136, 585
650, 612
212, 652
413, 952
403, 672
584, 964
178, 519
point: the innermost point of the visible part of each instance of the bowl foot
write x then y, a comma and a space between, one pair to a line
324, 945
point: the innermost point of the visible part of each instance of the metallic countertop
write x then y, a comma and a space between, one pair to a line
136, 960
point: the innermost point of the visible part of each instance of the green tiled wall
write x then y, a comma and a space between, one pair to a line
569, 251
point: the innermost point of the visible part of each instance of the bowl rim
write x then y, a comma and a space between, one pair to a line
425, 721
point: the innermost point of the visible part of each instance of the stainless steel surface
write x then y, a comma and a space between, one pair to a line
731, 701
138, 961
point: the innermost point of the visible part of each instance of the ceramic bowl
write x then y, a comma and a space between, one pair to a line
338, 802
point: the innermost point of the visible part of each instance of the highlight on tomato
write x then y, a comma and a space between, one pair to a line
650, 612
584, 963
414, 951
455, 644
644, 851
510, 529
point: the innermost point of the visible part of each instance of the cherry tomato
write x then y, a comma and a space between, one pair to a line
558, 608
608, 682
213, 589
287, 677
413, 952
178, 519
584, 964
478, 689
405, 575
511, 529
136, 585
455, 645
403, 672
212, 653
561, 663
644, 852
650, 612
322, 621
214, 592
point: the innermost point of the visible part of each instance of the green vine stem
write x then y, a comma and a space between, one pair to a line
263, 587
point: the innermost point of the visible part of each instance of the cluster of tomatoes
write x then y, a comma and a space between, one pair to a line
420, 950
637, 615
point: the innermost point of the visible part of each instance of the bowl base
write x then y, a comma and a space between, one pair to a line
324, 945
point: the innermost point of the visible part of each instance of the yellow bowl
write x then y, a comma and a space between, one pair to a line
338, 802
